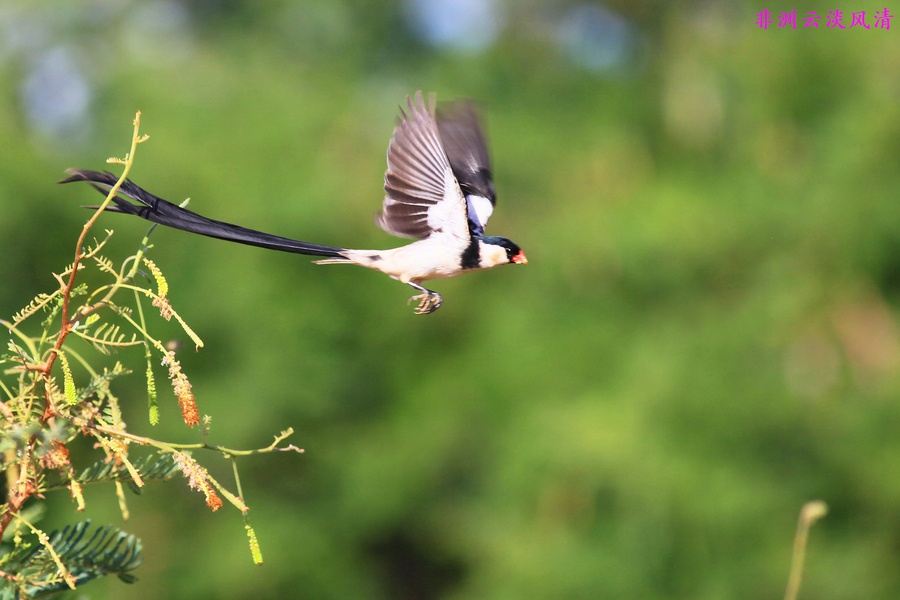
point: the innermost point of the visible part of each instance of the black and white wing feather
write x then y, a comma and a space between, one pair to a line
422, 196
464, 143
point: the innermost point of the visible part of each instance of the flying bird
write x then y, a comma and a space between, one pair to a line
438, 191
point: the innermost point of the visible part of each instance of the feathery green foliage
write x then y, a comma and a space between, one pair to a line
40, 421
85, 556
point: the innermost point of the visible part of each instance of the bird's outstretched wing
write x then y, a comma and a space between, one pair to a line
422, 196
464, 143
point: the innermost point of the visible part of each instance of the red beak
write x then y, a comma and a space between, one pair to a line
520, 259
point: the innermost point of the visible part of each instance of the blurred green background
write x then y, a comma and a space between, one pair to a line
705, 337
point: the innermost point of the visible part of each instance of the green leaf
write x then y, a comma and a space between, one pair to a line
152, 468
108, 551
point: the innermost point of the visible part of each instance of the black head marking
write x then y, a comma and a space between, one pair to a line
511, 248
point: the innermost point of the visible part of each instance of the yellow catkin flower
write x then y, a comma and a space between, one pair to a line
189, 411
123, 505
254, 545
68, 380
212, 498
198, 479
194, 337
151, 396
77, 496
165, 309
63, 571
162, 285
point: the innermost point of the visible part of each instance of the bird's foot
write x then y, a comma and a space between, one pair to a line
428, 302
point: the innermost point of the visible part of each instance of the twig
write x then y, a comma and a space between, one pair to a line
172, 447
809, 514
9, 577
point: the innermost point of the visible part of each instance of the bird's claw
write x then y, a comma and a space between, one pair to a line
428, 302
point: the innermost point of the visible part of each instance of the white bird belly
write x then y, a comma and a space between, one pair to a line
432, 258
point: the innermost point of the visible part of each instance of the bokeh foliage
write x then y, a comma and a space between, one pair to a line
704, 339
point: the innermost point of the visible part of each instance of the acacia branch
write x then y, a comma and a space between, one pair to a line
24, 488
67, 291
173, 447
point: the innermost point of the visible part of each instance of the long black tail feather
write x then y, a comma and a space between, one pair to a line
157, 210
